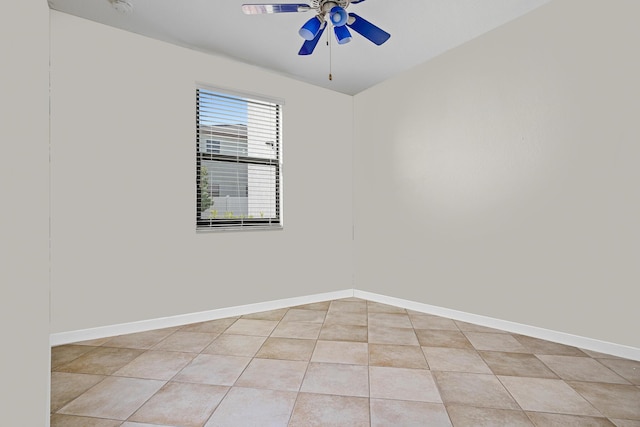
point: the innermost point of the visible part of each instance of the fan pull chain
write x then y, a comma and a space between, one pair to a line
330, 65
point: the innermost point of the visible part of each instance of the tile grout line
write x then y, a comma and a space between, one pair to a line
306, 369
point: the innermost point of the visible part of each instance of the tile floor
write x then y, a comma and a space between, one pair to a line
347, 362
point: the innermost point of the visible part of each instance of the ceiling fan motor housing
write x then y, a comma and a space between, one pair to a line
324, 6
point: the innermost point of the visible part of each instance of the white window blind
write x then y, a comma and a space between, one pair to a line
238, 161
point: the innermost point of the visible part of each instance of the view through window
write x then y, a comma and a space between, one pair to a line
238, 161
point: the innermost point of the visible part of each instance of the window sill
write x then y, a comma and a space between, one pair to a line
240, 228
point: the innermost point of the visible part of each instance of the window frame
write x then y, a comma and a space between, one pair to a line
242, 223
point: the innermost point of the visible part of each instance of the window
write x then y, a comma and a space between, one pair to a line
212, 146
238, 161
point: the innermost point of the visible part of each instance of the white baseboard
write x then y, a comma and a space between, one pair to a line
185, 319
505, 325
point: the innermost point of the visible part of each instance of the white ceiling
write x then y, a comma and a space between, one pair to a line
420, 30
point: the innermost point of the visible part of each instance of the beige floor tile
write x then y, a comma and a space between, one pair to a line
403, 384
397, 356
455, 360
155, 365
59, 420
479, 390
495, 342
415, 313
322, 305
516, 364
286, 349
302, 315
628, 369
66, 386
190, 342
469, 416
389, 320
538, 346
472, 327
357, 359
612, 400
252, 327
346, 318
333, 378
133, 424
427, 321
317, 410
385, 413
267, 315
213, 369
181, 404
94, 342
354, 353
348, 306
344, 333
547, 395
101, 361
269, 408
302, 330
283, 375
376, 307
235, 345
541, 419
114, 398
217, 326
64, 354
441, 338
598, 355
387, 335
625, 423
581, 369
141, 340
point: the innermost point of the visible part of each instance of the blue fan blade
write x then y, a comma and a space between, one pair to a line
368, 30
256, 9
356, 1
308, 46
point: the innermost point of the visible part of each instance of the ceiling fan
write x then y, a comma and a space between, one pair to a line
312, 30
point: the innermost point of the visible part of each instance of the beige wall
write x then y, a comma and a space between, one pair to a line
24, 213
508, 171
124, 246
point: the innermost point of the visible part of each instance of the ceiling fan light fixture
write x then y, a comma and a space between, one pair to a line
311, 28
343, 35
338, 16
